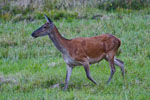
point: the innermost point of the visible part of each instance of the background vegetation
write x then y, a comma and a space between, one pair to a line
30, 9
32, 69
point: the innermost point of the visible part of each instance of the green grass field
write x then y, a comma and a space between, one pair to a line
29, 68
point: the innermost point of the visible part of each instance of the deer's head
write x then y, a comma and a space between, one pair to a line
44, 29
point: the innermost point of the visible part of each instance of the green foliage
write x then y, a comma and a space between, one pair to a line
126, 4
6, 16
57, 14
30, 68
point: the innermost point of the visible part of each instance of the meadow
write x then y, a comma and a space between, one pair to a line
33, 69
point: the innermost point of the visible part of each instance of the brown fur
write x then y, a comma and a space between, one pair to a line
92, 47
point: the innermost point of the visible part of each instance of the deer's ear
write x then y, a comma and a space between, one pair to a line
48, 19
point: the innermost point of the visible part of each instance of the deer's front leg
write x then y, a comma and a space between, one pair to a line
87, 70
68, 74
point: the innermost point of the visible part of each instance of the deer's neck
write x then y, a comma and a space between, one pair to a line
58, 40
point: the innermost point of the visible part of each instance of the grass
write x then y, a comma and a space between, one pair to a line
30, 67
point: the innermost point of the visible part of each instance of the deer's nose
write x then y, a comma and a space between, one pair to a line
33, 35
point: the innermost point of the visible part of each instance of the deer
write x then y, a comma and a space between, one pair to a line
83, 51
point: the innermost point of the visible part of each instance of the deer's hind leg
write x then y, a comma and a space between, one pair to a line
110, 59
120, 64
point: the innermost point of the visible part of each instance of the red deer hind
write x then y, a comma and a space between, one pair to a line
83, 51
